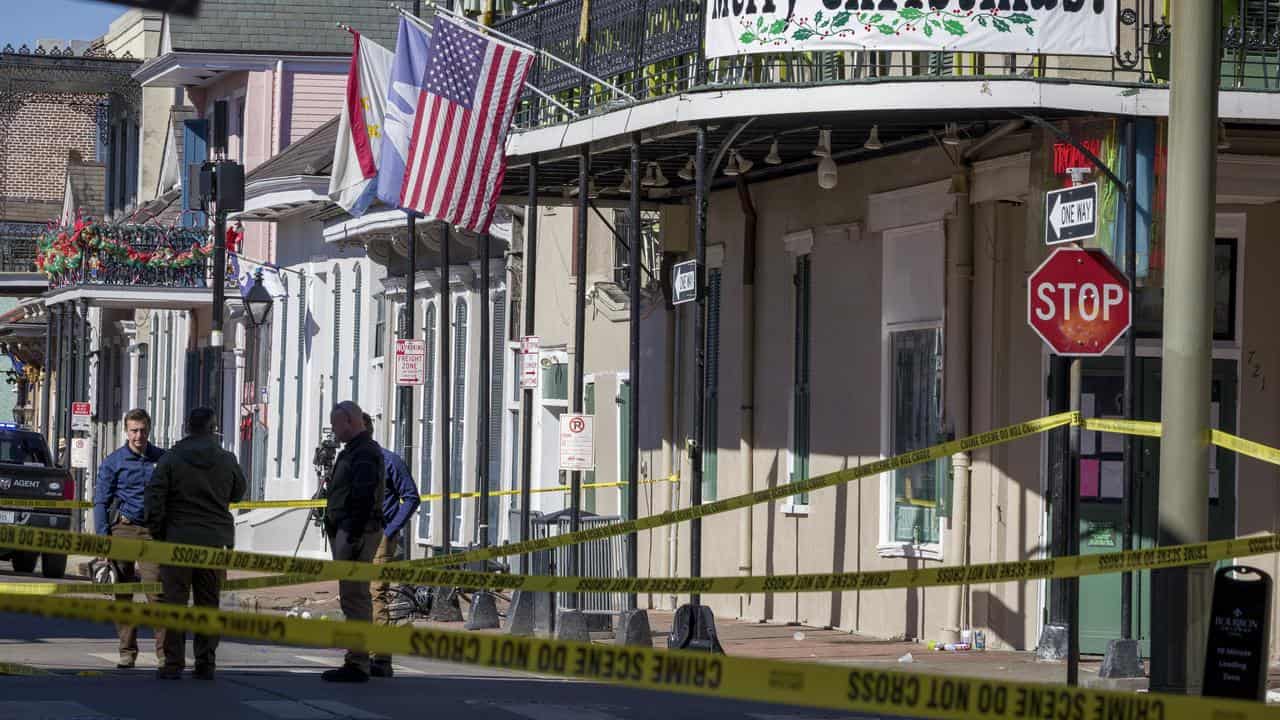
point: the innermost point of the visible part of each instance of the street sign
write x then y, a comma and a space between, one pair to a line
81, 416
1239, 634
577, 442
684, 282
1078, 302
1070, 214
530, 352
411, 362
81, 452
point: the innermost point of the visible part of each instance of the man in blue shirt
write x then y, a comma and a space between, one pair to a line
398, 504
119, 491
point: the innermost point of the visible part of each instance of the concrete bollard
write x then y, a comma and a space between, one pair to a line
1053, 644
520, 614
572, 625
444, 606
633, 629
1121, 660
483, 614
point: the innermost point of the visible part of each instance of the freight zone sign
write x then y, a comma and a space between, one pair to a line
411, 362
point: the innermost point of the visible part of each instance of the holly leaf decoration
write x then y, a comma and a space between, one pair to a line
982, 20
1031, 31
802, 34
817, 18
841, 19
759, 23
928, 30
885, 29
778, 26
874, 19
1000, 24
747, 38
910, 14
955, 27
1020, 19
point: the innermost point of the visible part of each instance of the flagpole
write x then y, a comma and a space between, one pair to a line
519, 43
406, 393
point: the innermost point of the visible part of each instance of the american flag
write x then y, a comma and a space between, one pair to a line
457, 150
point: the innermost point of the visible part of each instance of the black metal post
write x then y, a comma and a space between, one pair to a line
1130, 372
216, 340
635, 276
405, 394
526, 400
82, 392
699, 352
46, 367
579, 349
486, 370
446, 393
1073, 526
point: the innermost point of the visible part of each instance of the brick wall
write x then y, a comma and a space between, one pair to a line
33, 148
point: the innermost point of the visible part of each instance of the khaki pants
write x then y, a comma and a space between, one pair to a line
354, 596
388, 551
146, 572
180, 584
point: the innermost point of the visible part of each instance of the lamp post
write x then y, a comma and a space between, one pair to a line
257, 304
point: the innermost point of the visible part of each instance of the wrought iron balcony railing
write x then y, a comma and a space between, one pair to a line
654, 48
132, 255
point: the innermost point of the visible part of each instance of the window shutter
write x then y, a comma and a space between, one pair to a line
195, 148
459, 412
279, 419
336, 331
498, 354
297, 378
589, 477
356, 365
711, 404
428, 423
801, 402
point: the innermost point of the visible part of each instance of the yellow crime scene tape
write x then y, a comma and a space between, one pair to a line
855, 690
35, 504
142, 588
8, 668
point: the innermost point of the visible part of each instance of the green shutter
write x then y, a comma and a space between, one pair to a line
425, 474
459, 418
800, 447
711, 406
624, 443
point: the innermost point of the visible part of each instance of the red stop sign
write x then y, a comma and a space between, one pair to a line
1078, 302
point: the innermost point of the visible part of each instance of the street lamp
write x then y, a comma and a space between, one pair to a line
258, 301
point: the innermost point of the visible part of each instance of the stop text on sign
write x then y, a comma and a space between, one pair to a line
1084, 298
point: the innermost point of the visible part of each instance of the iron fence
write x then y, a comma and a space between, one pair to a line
600, 558
653, 48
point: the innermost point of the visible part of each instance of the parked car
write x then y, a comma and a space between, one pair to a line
27, 472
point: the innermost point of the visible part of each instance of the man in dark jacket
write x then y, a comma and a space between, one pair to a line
187, 502
400, 501
353, 521
122, 479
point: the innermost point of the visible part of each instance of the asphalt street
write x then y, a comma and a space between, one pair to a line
268, 681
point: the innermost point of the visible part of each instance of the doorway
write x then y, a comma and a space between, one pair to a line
1102, 489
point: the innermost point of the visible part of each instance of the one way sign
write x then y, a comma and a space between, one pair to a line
1071, 214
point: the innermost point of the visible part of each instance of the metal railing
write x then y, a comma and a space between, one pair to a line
600, 558
654, 48
17, 254
140, 256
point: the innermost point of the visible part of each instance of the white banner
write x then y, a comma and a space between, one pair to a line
1062, 27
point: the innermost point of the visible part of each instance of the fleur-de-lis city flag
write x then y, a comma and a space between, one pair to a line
470, 88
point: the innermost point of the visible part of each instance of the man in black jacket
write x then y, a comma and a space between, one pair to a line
187, 502
353, 521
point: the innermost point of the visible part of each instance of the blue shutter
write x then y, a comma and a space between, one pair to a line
499, 354
283, 315
356, 365
195, 148
337, 331
297, 378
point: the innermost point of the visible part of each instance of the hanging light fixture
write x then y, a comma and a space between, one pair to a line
731, 167
873, 139
773, 158
1224, 142
659, 178
951, 136
828, 173
686, 172
744, 165
824, 144
649, 180
625, 186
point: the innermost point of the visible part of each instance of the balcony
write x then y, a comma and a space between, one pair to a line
128, 265
654, 48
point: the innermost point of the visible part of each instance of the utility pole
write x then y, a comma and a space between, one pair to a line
635, 276
1180, 596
